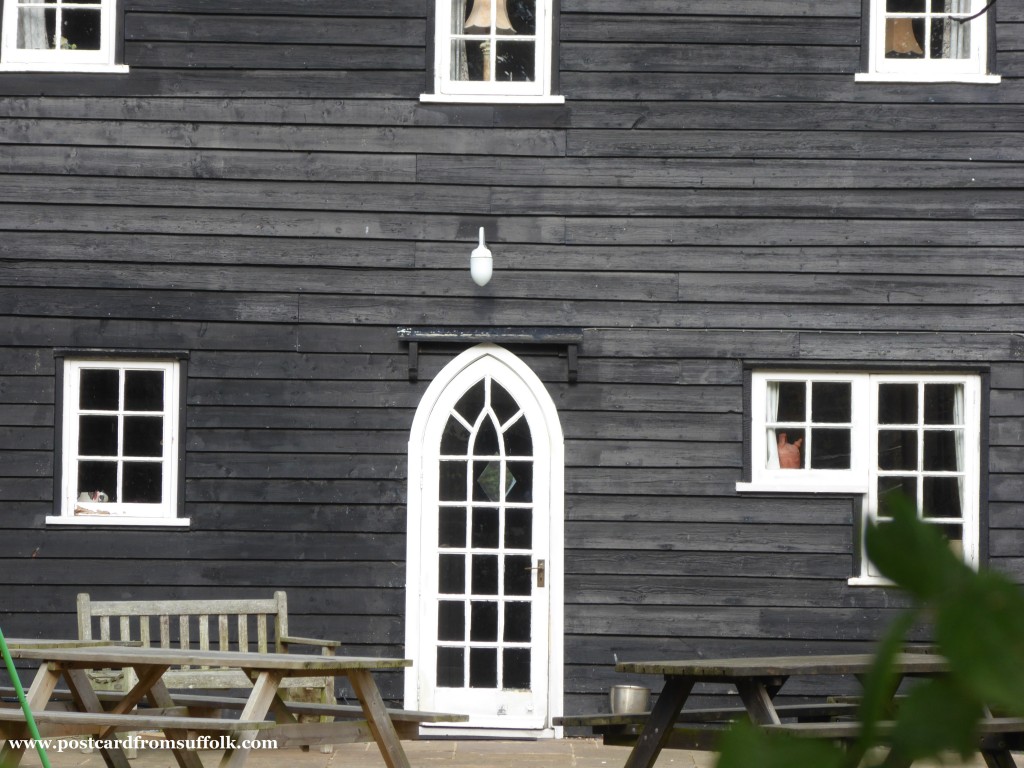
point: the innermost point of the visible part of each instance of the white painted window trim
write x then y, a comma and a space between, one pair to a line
14, 59
554, 453
968, 70
454, 91
862, 478
111, 514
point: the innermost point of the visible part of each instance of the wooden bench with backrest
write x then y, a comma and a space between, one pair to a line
244, 624
240, 624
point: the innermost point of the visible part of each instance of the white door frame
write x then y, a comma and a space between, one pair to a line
547, 434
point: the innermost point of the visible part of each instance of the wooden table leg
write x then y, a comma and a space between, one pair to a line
260, 699
159, 696
659, 724
757, 698
37, 695
86, 700
998, 758
379, 720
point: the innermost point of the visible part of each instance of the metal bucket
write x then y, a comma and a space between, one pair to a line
629, 699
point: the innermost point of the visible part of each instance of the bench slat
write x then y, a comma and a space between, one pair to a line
133, 721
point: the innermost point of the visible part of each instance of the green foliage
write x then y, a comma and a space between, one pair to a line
978, 621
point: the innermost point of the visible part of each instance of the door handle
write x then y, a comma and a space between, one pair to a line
540, 568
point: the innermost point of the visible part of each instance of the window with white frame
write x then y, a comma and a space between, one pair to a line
493, 51
59, 35
120, 442
875, 435
929, 40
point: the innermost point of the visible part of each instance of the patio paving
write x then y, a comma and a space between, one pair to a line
563, 753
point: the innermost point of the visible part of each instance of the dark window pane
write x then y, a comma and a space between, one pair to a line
97, 436
451, 671
143, 436
518, 529
143, 482
523, 15
518, 575
483, 667
517, 622
451, 574
905, 6
471, 403
792, 401
451, 620
897, 403
830, 449
144, 390
486, 443
515, 669
939, 404
80, 29
517, 439
892, 488
483, 626
950, 39
452, 530
831, 402
515, 61
485, 528
452, 482
519, 481
455, 439
940, 451
942, 497
470, 62
485, 574
502, 403
98, 390
96, 478
897, 449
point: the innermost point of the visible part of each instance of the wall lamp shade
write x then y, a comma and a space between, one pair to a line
480, 262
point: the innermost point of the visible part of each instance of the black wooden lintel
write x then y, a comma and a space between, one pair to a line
570, 338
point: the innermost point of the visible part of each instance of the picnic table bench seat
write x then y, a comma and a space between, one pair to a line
53, 722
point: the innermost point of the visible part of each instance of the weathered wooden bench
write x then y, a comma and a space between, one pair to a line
54, 723
243, 624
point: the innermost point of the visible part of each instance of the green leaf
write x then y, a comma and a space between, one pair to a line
937, 716
914, 556
745, 745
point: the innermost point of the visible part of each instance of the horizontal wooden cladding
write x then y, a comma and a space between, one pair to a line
26, 438
704, 57
294, 138
319, 8
214, 83
760, 8
274, 30
778, 538
825, 88
760, 510
25, 389
721, 29
161, 575
283, 451
950, 145
739, 590
644, 453
710, 563
732, 621
766, 175
856, 115
230, 55
330, 419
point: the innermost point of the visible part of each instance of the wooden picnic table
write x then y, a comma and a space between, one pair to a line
758, 680
266, 670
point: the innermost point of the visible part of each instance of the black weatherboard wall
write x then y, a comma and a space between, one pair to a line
264, 192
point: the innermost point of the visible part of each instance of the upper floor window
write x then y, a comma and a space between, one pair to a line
873, 435
120, 442
493, 51
929, 41
59, 35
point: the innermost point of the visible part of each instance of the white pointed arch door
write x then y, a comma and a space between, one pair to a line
484, 568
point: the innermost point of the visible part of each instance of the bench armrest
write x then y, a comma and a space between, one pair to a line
326, 645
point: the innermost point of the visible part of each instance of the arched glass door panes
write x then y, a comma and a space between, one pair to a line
486, 569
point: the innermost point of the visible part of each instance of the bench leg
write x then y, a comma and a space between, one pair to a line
37, 696
998, 758
658, 727
377, 717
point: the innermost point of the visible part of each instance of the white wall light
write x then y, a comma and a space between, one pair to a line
480, 262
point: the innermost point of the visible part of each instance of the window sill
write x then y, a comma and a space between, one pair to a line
448, 98
53, 67
869, 581
763, 487
904, 77
119, 520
